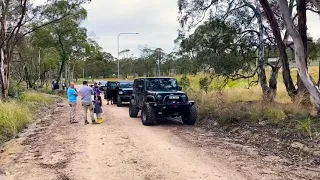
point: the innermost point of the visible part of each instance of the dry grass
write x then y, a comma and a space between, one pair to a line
237, 102
243, 105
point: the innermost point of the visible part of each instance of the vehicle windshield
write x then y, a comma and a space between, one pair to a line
164, 84
126, 85
102, 83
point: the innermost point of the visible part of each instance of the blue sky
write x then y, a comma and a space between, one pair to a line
155, 20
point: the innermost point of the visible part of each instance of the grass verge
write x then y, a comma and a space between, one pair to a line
16, 114
244, 106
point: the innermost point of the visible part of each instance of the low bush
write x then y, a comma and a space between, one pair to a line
15, 114
37, 98
240, 105
13, 117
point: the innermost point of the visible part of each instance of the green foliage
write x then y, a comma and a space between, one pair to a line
35, 97
305, 126
273, 115
220, 49
205, 83
16, 92
13, 117
185, 82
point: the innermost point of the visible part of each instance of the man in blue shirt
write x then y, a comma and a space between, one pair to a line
86, 93
72, 99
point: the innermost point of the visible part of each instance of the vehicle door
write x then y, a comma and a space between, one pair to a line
139, 90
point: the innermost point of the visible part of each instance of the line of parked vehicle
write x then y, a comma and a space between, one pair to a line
155, 97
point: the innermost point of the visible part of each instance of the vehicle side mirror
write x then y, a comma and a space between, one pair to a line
179, 88
140, 87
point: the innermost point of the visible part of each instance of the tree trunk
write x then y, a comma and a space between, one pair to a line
300, 54
268, 92
286, 74
303, 95
63, 62
319, 74
273, 82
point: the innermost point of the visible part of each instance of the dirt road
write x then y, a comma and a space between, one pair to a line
123, 149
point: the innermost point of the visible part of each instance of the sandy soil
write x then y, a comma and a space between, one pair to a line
122, 148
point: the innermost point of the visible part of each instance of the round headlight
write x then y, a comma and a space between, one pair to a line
159, 97
120, 92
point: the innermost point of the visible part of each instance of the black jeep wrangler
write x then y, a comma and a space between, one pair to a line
125, 92
160, 96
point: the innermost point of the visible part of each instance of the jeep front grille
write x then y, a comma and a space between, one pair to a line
167, 100
127, 92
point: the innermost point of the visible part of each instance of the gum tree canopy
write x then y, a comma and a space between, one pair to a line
19, 18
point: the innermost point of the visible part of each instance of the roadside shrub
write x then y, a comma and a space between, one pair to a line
185, 82
205, 83
13, 117
268, 113
232, 106
305, 126
16, 114
16, 92
38, 98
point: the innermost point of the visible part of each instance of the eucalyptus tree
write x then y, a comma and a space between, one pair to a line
248, 18
21, 18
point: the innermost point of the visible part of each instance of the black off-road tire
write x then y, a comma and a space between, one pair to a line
133, 110
119, 102
148, 117
190, 116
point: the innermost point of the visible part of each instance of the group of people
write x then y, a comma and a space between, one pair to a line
90, 101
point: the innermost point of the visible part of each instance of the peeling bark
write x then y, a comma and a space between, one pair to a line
286, 73
303, 95
299, 54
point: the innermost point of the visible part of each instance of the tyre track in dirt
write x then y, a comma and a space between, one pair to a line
122, 148
43, 150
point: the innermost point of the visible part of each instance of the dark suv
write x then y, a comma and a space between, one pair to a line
160, 96
125, 92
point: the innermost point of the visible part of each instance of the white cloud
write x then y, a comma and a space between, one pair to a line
155, 20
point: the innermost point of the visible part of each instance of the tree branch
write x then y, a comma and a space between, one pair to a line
312, 10
43, 25
241, 76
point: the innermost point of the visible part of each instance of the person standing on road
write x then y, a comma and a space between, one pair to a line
72, 100
98, 109
115, 95
96, 90
86, 93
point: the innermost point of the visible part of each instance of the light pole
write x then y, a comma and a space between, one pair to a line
119, 52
